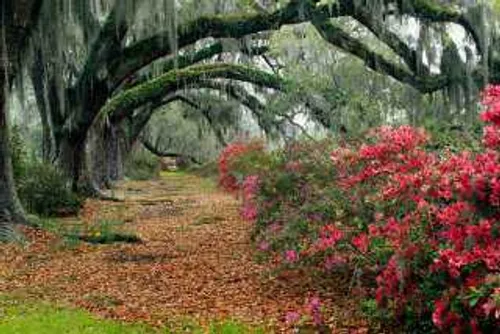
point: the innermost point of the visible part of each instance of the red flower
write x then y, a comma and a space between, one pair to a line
361, 242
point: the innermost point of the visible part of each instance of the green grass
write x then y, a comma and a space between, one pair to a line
205, 183
101, 232
21, 316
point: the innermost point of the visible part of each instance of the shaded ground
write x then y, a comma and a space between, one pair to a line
195, 261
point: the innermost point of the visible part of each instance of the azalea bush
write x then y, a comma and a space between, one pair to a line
434, 238
287, 194
425, 223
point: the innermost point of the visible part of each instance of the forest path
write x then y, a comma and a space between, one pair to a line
195, 262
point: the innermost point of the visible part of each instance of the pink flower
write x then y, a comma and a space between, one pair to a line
250, 187
314, 308
291, 256
292, 318
264, 246
329, 237
333, 261
249, 212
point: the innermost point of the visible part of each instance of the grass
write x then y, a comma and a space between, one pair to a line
101, 232
203, 183
22, 316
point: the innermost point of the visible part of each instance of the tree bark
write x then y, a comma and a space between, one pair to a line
39, 86
10, 206
16, 23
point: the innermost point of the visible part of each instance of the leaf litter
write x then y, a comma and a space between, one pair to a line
196, 261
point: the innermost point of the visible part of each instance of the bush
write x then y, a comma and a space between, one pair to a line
142, 165
288, 193
43, 190
425, 222
18, 153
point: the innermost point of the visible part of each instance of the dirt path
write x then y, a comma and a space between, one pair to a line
195, 261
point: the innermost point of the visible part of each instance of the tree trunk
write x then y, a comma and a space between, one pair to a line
38, 78
70, 159
115, 150
10, 207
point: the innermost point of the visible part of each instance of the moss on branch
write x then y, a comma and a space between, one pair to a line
126, 102
375, 61
192, 58
144, 52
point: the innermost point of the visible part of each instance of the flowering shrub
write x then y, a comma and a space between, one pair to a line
427, 223
435, 233
232, 163
287, 193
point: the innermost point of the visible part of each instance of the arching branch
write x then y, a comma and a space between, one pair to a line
126, 102
140, 120
163, 154
190, 58
251, 102
431, 10
136, 56
236, 26
391, 39
336, 36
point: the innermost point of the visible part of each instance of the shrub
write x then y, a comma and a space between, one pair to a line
237, 161
425, 222
434, 234
287, 193
43, 190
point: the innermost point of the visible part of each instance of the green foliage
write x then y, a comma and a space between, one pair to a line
42, 189
455, 138
295, 193
206, 170
45, 191
179, 128
142, 165
18, 153
99, 232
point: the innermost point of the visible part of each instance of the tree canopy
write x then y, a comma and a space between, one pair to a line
98, 70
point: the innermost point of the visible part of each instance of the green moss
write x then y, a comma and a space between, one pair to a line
155, 89
432, 9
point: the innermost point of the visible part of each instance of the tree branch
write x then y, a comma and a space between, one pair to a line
375, 61
185, 60
136, 56
158, 152
126, 102
391, 39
